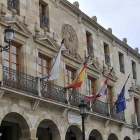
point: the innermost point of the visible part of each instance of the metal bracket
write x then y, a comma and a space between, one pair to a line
64, 112
35, 105
106, 123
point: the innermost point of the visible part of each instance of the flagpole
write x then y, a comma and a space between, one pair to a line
100, 90
118, 96
76, 81
53, 63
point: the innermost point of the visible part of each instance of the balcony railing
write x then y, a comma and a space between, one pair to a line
19, 80
44, 21
138, 120
122, 67
134, 74
114, 114
107, 59
100, 107
90, 49
52, 92
14, 4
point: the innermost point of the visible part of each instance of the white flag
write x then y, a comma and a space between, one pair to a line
54, 71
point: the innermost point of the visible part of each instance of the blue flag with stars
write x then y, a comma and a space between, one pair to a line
120, 103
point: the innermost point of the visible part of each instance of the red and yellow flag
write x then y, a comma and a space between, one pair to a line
79, 79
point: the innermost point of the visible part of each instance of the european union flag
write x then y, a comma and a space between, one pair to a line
120, 103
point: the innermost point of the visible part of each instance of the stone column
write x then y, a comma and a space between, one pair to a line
67, 96
38, 86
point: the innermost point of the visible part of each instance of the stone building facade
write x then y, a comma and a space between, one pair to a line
31, 108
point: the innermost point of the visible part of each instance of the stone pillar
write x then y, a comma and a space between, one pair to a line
67, 95
38, 86
1, 72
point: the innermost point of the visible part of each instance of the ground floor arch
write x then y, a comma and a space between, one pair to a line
48, 130
73, 133
14, 127
95, 135
112, 136
127, 138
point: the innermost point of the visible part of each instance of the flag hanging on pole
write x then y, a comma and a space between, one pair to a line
102, 93
120, 103
79, 79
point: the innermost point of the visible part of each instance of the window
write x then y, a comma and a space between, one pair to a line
91, 86
14, 4
70, 75
134, 70
43, 13
121, 61
136, 104
106, 51
44, 65
89, 43
12, 57
109, 95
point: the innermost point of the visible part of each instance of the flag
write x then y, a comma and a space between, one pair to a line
120, 103
79, 79
91, 97
103, 91
54, 71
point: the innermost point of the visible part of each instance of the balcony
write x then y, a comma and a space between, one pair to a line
14, 4
122, 67
44, 21
90, 49
134, 74
107, 58
54, 94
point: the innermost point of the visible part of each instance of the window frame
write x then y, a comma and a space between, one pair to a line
93, 83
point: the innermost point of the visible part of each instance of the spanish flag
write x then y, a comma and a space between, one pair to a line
79, 79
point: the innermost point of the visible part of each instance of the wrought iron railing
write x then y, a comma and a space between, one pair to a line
134, 74
138, 120
14, 4
122, 67
19, 80
89, 49
44, 21
52, 91
100, 107
114, 114
107, 59
75, 98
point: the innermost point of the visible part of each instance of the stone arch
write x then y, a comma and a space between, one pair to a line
76, 130
20, 116
95, 134
127, 138
112, 136
52, 123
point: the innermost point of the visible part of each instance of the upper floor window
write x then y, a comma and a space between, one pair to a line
70, 75
136, 104
12, 57
44, 16
121, 61
134, 70
106, 51
89, 43
14, 4
44, 65
109, 94
91, 86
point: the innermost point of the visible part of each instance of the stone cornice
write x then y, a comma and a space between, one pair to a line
83, 15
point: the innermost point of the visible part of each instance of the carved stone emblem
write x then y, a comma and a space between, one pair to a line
71, 40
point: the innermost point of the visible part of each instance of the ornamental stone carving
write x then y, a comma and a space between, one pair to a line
71, 40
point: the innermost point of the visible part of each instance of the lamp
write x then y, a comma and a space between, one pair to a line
83, 107
130, 94
9, 34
